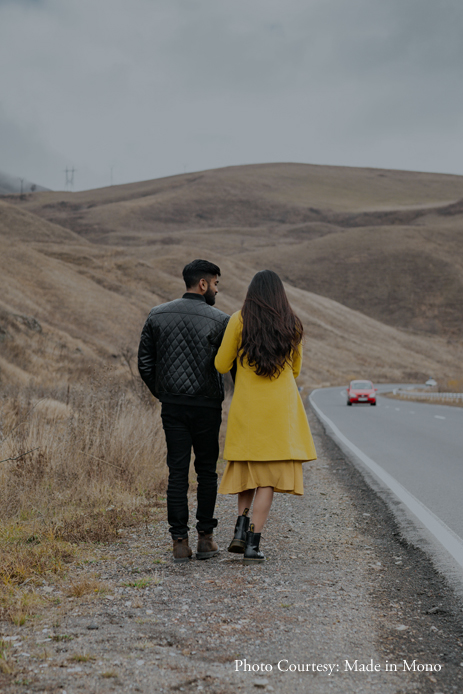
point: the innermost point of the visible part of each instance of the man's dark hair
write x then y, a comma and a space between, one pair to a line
198, 270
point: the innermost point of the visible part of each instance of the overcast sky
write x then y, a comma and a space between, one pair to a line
153, 88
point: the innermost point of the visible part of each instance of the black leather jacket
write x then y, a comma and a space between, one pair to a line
177, 349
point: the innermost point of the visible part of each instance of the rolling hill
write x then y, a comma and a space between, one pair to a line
386, 243
79, 272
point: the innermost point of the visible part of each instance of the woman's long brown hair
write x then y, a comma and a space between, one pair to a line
271, 330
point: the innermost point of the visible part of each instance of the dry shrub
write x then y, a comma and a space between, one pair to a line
86, 586
452, 385
18, 604
101, 526
24, 556
6, 663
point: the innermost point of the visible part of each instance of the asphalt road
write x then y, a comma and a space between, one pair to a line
417, 445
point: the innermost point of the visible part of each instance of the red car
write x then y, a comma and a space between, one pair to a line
361, 391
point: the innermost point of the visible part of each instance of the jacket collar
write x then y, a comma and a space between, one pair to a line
196, 297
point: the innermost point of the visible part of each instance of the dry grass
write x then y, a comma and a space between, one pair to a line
17, 604
451, 385
93, 452
6, 663
82, 658
24, 555
86, 586
84, 464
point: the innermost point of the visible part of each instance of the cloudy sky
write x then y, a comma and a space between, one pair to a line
151, 88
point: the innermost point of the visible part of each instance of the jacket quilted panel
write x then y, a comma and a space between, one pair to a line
177, 349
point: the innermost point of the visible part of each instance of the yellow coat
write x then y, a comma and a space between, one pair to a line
267, 420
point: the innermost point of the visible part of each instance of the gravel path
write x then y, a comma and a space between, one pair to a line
341, 590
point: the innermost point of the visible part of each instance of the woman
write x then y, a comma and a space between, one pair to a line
268, 436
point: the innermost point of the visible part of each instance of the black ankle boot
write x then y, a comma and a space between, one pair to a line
238, 543
252, 554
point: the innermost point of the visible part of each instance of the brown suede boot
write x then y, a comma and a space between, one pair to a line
207, 547
182, 552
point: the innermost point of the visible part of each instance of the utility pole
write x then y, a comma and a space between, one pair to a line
22, 185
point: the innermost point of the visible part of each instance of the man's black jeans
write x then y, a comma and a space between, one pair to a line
185, 427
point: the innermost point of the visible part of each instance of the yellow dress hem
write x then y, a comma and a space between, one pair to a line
285, 476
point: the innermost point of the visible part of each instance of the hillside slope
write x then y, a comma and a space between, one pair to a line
387, 243
70, 308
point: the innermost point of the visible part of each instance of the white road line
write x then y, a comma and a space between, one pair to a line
443, 534
438, 416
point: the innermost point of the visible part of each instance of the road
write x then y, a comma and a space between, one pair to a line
414, 450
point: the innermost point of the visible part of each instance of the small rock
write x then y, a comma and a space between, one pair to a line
92, 626
433, 628
401, 627
260, 682
140, 662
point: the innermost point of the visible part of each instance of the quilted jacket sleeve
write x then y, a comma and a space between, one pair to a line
147, 356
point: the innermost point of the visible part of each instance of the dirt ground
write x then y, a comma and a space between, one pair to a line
341, 594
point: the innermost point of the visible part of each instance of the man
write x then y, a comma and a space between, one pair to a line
176, 361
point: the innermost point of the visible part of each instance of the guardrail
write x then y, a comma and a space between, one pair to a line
428, 396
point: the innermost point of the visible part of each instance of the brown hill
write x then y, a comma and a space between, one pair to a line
68, 304
387, 243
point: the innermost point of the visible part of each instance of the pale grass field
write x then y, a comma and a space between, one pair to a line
89, 461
